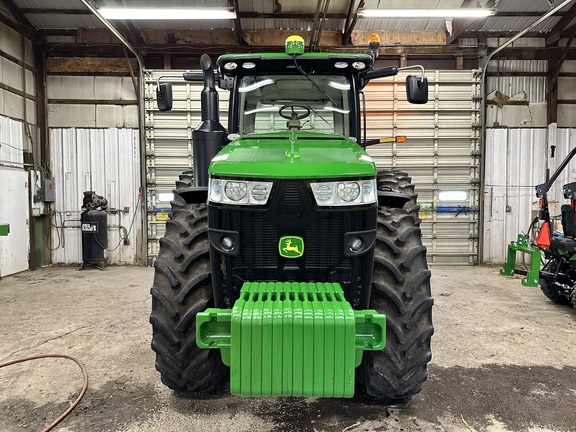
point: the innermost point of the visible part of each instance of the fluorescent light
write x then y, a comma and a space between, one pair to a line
452, 196
166, 13
341, 111
339, 86
165, 196
256, 85
264, 109
427, 13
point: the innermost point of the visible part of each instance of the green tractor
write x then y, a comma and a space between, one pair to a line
290, 265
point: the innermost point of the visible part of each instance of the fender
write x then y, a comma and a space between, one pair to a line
392, 199
194, 195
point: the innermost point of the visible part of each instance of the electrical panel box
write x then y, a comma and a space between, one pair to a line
49, 193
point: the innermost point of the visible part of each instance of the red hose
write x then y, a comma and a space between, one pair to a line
84, 374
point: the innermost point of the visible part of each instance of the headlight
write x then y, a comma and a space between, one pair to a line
235, 191
239, 192
345, 192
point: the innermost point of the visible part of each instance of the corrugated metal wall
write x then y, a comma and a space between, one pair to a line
531, 89
169, 146
516, 161
86, 157
565, 142
442, 153
18, 76
11, 142
567, 96
17, 134
91, 102
105, 161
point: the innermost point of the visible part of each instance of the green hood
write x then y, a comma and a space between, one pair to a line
293, 155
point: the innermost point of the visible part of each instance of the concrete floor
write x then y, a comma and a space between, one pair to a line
504, 359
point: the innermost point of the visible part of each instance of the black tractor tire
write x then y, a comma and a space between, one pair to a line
399, 181
551, 291
401, 291
182, 288
185, 181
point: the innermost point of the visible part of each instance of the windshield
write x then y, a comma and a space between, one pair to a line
327, 97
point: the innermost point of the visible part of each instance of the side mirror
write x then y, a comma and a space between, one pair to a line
416, 89
164, 96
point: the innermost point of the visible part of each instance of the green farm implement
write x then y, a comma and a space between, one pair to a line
291, 266
557, 275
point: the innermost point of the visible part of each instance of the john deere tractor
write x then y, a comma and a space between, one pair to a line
290, 265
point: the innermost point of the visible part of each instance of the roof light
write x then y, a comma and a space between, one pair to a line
374, 37
358, 65
341, 65
248, 65
256, 85
427, 13
294, 45
166, 13
230, 66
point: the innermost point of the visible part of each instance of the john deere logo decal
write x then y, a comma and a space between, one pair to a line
291, 247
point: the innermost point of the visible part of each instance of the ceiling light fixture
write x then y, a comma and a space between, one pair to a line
256, 85
166, 13
263, 109
427, 13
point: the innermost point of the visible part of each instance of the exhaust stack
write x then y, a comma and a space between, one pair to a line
209, 137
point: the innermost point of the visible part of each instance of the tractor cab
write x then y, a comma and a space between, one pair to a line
320, 91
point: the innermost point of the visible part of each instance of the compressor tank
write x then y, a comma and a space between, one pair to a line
94, 226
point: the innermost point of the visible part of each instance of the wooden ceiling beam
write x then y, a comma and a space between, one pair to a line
46, 11
248, 14
346, 39
238, 23
131, 32
460, 25
501, 34
19, 19
561, 25
555, 69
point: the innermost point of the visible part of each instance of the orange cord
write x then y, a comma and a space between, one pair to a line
84, 388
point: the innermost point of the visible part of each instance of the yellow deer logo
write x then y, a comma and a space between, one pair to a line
291, 247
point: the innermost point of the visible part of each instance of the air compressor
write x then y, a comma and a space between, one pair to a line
94, 226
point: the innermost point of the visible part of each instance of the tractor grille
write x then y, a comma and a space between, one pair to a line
259, 258
291, 212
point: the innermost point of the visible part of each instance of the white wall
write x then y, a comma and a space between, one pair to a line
516, 161
91, 102
14, 247
14, 198
533, 91
107, 162
17, 78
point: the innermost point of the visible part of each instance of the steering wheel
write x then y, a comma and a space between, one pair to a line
293, 114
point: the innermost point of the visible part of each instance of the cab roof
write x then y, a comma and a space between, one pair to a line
282, 63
